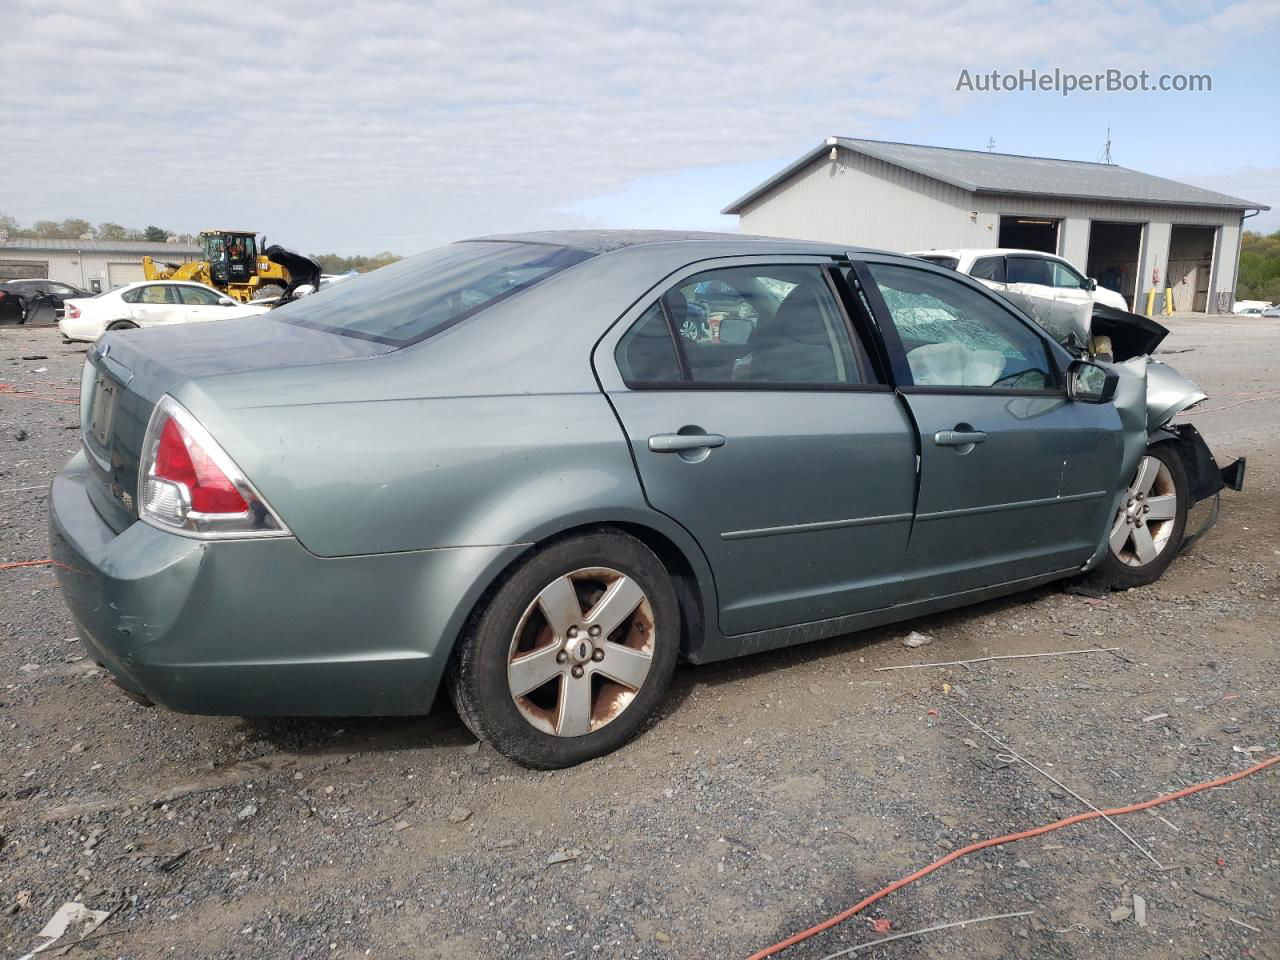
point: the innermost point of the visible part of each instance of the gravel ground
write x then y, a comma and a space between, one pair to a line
775, 790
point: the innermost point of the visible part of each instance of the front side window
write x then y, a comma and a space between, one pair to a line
773, 325
412, 299
988, 268
956, 336
198, 297
1028, 270
1065, 276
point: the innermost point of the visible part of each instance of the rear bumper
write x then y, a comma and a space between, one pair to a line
261, 627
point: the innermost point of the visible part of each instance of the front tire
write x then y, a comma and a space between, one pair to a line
572, 654
1147, 530
267, 291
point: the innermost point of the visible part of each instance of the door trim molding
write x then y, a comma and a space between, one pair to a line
1016, 505
814, 527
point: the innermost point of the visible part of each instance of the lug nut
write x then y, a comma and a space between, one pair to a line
594, 631
561, 657
598, 656
577, 671
573, 631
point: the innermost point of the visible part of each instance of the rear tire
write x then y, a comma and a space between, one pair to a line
1146, 533
572, 654
122, 325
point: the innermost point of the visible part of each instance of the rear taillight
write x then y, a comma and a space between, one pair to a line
188, 484
71, 311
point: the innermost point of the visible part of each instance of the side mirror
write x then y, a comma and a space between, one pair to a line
1091, 284
1090, 382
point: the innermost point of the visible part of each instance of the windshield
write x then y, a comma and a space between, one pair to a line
412, 299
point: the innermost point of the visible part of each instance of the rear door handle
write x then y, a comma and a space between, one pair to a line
676, 442
958, 438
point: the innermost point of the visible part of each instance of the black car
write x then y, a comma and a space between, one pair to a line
35, 301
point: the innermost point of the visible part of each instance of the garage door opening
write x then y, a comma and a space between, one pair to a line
118, 274
1029, 233
1190, 262
1114, 249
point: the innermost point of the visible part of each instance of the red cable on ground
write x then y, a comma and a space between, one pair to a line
861, 905
25, 563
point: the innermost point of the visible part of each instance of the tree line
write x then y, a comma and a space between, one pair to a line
75, 228
1259, 267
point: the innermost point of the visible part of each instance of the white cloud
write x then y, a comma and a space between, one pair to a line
397, 124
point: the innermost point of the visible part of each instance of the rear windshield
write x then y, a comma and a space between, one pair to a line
412, 299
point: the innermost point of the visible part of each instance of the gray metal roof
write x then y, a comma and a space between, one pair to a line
1007, 173
97, 246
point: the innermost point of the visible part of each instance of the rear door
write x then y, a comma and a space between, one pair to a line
1016, 479
779, 447
155, 304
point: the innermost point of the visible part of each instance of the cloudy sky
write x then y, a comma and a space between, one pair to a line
367, 126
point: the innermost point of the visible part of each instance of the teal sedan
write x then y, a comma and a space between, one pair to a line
507, 466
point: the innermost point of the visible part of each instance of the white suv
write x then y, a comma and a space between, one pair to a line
1053, 292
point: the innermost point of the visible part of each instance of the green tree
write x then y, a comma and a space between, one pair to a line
1259, 267
111, 231
155, 234
73, 228
48, 229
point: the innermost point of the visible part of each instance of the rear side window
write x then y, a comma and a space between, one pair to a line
410, 300
1029, 270
742, 327
949, 262
988, 268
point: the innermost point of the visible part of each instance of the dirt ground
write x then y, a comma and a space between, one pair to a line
774, 791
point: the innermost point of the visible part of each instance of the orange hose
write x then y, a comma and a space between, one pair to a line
861, 905
25, 563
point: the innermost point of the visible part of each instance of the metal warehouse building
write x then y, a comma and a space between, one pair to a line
1132, 231
93, 265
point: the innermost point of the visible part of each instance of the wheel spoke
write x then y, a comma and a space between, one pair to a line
1119, 535
1146, 476
527, 673
629, 667
1143, 545
1164, 507
574, 717
618, 603
559, 603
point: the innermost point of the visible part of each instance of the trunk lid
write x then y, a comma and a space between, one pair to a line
126, 374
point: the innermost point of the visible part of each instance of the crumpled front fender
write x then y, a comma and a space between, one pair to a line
1168, 393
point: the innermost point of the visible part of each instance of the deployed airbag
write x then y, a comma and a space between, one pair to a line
954, 364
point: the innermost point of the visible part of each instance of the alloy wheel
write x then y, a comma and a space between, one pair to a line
581, 651
1144, 523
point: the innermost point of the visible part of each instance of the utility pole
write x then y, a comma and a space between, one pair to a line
991, 145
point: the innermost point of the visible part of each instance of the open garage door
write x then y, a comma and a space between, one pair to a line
118, 274
1114, 249
1029, 233
1190, 263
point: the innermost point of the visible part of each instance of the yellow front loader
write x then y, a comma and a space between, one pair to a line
232, 263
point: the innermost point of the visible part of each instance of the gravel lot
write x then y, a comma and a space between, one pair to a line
775, 791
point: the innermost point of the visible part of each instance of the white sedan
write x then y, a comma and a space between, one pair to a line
1052, 292
149, 304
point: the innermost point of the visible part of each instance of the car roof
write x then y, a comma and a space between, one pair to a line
980, 252
611, 241
177, 283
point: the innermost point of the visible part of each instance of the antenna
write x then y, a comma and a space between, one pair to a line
1106, 149
991, 144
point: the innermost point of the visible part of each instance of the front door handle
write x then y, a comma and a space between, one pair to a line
958, 438
676, 442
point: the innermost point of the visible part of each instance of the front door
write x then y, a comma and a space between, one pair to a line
777, 447
1016, 479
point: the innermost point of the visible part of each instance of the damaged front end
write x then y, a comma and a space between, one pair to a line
1149, 395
